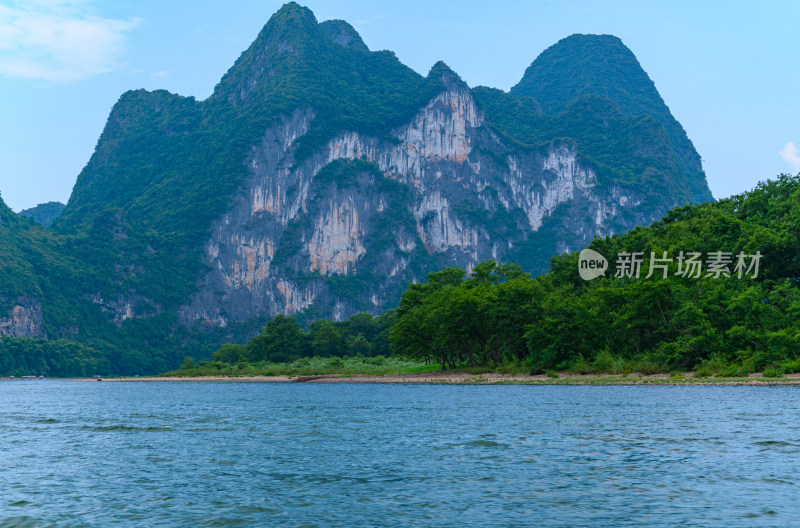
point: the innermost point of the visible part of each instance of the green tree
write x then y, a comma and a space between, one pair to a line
229, 353
327, 340
281, 340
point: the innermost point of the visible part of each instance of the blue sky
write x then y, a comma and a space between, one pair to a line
729, 71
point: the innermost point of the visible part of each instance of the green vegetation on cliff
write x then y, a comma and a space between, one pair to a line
601, 65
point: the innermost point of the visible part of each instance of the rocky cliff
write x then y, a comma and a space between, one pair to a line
447, 189
24, 320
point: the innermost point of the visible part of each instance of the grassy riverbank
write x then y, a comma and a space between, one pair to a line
467, 378
313, 366
397, 370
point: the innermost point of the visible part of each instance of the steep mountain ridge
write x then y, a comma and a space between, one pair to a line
319, 179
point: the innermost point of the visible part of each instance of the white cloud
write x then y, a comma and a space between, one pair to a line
58, 40
791, 155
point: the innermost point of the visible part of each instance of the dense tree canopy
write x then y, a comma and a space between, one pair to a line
26, 356
283, 340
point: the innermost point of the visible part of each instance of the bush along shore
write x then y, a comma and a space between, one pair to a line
728, 320
397, 370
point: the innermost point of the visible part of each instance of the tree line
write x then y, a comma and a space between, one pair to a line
26, 356
283, 340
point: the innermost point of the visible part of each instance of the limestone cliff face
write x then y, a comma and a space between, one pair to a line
24, 320
343, 229
337, 240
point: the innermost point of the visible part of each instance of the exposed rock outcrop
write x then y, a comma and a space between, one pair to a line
459, 177
24, 320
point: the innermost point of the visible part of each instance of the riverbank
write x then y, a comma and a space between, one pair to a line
465, 378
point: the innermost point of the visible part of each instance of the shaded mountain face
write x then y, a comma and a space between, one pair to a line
319, 179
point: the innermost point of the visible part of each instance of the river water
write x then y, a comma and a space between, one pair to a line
190, 454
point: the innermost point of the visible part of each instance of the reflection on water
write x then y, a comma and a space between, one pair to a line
226, 454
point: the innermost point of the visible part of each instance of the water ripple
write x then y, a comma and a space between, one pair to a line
189, 454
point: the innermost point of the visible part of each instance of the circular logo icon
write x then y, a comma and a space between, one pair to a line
591, 264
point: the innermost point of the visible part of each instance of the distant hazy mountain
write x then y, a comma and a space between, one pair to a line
320, 178
44, 214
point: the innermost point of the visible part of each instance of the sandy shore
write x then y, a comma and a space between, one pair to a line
464, 378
